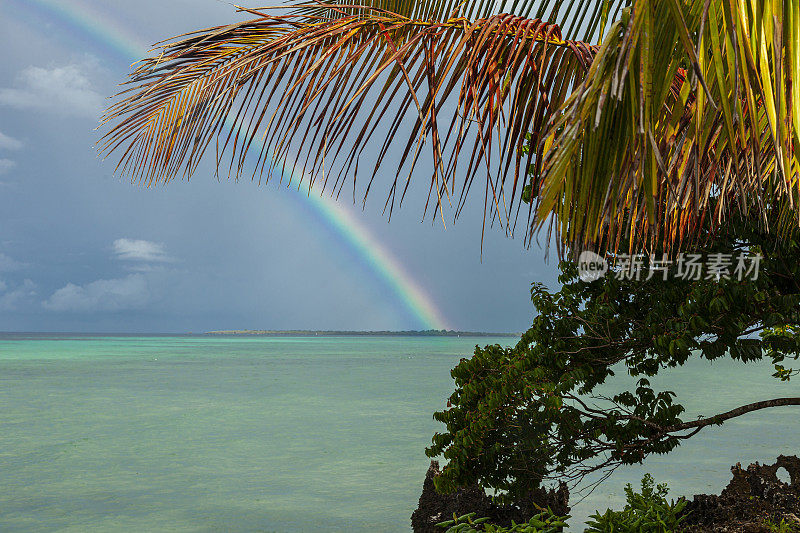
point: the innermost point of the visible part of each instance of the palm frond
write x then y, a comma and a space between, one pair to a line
687, 111
690, 114
317, 83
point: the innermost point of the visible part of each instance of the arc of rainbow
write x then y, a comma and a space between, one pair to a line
377, 257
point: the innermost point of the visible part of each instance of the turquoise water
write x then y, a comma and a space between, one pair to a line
281, 434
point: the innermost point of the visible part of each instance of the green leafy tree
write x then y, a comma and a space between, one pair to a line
530, 413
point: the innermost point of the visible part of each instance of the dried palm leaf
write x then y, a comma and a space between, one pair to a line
317, 83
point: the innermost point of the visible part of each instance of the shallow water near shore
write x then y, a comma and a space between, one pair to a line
196, 433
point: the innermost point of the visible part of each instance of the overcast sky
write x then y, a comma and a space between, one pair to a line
83, 250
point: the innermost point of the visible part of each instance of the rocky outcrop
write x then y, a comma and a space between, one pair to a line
434, 507
754, 497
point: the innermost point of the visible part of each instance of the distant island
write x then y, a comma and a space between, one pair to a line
312, 333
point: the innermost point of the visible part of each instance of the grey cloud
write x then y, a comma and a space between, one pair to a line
8, 264
10, 301
6, 165
130, 292
64, 90
140, 250
9, 143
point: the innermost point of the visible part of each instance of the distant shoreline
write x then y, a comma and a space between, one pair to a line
311, 333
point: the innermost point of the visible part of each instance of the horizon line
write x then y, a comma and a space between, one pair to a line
254, 332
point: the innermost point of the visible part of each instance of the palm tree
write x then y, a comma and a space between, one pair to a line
614, 120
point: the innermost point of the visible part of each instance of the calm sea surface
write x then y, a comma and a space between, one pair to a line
102, 433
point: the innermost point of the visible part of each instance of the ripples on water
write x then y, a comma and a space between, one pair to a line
284, 434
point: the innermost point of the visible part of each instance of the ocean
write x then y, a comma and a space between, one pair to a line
287, 434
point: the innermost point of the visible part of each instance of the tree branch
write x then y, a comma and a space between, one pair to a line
718, 419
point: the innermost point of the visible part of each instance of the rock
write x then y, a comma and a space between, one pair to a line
754, 496
435, 508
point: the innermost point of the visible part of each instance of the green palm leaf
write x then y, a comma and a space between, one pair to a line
641, 151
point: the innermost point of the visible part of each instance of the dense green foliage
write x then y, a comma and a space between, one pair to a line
781, 527
529, 413
645, 512
544, 522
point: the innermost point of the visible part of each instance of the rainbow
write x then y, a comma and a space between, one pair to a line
388, 269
